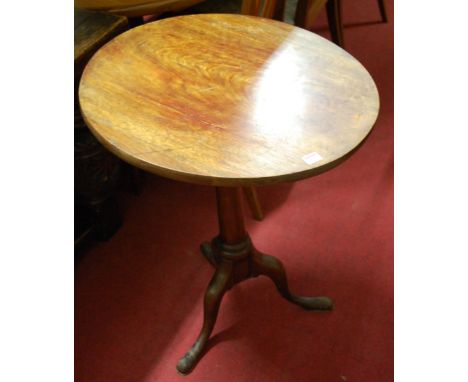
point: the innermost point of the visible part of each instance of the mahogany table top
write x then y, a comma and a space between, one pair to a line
227, 100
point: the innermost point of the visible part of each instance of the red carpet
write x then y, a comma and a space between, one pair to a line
138, 298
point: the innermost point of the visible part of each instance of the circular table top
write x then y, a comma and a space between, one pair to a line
227, 100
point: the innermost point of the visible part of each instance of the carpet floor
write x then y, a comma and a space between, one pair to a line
138, 297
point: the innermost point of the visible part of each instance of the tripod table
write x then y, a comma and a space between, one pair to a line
229, 101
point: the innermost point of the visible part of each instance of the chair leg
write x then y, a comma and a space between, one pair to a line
300, 18
254, 204
307, 12
383, 11
250, 7
334, 21
274, 9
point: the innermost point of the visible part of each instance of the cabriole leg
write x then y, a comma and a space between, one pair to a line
273, 268
213, 296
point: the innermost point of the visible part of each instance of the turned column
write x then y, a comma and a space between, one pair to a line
230, 215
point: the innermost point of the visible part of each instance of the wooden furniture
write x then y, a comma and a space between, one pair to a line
96, 170
229, 101
136, 9
383, 10
272, 9
308, 10
132, 8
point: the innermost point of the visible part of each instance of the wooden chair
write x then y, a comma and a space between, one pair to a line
308, 10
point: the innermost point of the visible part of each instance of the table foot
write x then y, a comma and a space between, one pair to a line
236, 259
273, 268
208, 253
213, 296
234, 264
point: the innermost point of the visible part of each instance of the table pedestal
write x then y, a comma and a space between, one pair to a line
236, 259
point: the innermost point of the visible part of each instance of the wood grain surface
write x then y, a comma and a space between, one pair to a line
132, 8
92, 29
227, 100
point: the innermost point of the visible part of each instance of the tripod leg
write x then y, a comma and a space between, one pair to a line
273, 268
213, 296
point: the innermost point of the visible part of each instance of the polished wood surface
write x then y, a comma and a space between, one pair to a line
135, 8
308, 10
228, 100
